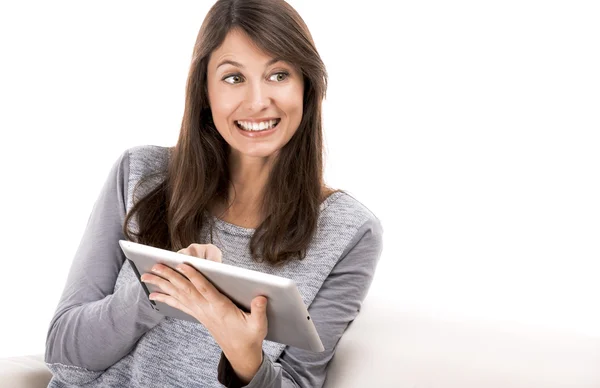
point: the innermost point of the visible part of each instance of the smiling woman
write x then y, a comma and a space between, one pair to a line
243, 184
256, 101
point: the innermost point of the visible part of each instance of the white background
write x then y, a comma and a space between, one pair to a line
470, 129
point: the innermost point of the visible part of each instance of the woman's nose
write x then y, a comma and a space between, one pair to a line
258, 97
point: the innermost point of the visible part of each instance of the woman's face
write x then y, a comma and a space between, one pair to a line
256, 101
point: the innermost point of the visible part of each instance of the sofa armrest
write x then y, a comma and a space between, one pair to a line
24, 372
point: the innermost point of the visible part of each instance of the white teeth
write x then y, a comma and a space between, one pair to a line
248, 126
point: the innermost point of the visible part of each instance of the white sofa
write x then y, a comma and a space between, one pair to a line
389, 347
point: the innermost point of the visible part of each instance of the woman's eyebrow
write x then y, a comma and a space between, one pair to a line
237, 64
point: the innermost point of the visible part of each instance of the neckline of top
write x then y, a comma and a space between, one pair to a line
242, 231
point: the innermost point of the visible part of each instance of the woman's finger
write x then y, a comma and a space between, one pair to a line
164, 285
203, 251
173, 283
171, 301
213, 253
205, 287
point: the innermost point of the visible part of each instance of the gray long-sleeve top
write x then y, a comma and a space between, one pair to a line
105, 334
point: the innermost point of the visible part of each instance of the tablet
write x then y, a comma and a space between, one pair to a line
288, 318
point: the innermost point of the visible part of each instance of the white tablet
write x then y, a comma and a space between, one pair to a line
288, 318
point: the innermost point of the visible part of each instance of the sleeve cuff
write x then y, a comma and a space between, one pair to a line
265, 376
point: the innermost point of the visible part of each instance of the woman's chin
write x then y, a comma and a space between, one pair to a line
257, 151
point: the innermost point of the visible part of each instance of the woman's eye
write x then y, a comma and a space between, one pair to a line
280, 76
236, 79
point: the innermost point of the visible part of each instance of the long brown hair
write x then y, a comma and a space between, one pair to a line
170, 216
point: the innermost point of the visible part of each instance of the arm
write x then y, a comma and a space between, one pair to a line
336, 305
93, 327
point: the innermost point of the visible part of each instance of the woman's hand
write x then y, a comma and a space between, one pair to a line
239, 334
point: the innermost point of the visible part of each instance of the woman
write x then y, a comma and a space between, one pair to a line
244, 186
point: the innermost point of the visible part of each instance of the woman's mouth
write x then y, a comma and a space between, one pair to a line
261, 126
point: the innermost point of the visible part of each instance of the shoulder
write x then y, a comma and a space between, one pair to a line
347, 222
356, 234
145, 164
342, 210
147, 159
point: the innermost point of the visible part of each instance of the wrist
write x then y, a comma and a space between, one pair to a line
247, 365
